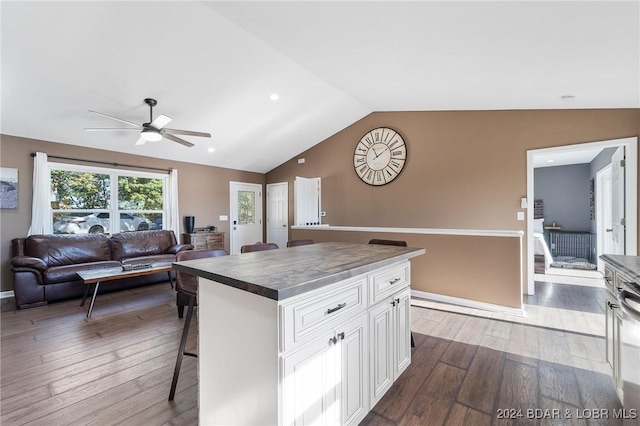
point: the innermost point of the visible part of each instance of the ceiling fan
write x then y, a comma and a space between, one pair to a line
152, 131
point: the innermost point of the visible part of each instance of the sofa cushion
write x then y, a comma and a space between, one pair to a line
59, 250
141, 243
58, 274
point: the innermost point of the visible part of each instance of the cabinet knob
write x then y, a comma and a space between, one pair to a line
341, 335
333, 340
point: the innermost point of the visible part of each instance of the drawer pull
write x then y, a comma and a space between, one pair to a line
333, 340
337, 308
395, 280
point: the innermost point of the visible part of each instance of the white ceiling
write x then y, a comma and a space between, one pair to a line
213, 65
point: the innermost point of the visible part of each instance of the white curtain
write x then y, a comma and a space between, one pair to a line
41, 221
173, 215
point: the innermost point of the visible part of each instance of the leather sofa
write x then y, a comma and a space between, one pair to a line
45, 266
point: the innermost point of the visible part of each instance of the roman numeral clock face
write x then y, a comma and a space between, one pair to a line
380, 156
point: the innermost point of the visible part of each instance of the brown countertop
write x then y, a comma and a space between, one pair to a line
286, 272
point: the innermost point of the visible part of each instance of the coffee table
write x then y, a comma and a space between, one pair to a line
97, 276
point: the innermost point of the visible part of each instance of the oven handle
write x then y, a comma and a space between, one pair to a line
629, 310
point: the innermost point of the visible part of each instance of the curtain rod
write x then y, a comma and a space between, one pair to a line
33, 154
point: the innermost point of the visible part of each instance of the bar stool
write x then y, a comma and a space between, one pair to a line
398, 243
187, 286
258, 247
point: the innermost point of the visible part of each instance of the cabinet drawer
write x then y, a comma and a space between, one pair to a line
387, 281
301, 319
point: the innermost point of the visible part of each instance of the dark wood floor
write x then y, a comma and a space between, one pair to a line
59, 368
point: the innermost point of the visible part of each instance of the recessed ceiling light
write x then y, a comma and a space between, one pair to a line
274, 97
211, 149
550, 161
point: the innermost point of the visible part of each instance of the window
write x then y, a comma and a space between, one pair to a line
82, 200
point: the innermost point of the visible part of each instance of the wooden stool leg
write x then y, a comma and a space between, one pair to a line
183, 344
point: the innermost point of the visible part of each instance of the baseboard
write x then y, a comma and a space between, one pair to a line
468, 303
6, 294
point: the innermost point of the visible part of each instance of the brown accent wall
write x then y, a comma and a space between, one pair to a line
465, 169
203, 190
491, 269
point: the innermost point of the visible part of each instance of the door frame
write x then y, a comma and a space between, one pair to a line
631, 196
258, 186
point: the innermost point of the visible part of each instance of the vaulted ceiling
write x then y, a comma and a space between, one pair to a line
213, 66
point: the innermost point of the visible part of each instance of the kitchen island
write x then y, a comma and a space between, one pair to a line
314, 333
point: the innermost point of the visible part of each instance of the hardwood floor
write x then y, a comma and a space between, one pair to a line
60, 368
474, 367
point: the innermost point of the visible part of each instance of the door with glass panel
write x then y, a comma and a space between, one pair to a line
246, 215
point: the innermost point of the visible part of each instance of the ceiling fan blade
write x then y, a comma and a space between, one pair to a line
186, 132
160, 122
106, 129
114, 118
177, 139
141, 141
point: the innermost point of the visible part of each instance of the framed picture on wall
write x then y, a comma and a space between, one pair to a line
8, 188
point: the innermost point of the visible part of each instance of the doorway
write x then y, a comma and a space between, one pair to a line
278, 213
630, 195
246, 215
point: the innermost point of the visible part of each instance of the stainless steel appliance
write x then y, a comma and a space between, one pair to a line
629, 302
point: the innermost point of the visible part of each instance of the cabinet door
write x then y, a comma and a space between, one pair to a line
311, 383
381, 341
402, 331
354, 370
617, 352
610, 324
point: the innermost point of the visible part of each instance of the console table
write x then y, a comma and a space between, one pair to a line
306, 334
204, 240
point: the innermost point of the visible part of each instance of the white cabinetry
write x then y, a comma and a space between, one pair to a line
390, 342
322, 357
613, 325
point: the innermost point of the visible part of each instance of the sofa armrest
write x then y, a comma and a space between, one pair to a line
28, 262
177, 248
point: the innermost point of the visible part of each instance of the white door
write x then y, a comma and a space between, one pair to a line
603, 213
617, 202
278, 213
246, 215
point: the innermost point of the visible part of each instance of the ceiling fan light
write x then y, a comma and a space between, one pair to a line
151, 135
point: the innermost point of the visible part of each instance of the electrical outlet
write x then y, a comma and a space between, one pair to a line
520, 215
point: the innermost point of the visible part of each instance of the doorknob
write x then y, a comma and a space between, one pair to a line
609, 230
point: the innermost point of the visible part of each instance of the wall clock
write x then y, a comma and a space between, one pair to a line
380, 156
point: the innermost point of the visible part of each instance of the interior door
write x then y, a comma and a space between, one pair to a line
617, 202
603, 215
246, 214
278, 213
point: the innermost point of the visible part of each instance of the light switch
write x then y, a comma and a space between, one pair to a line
520, 215
224, 217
